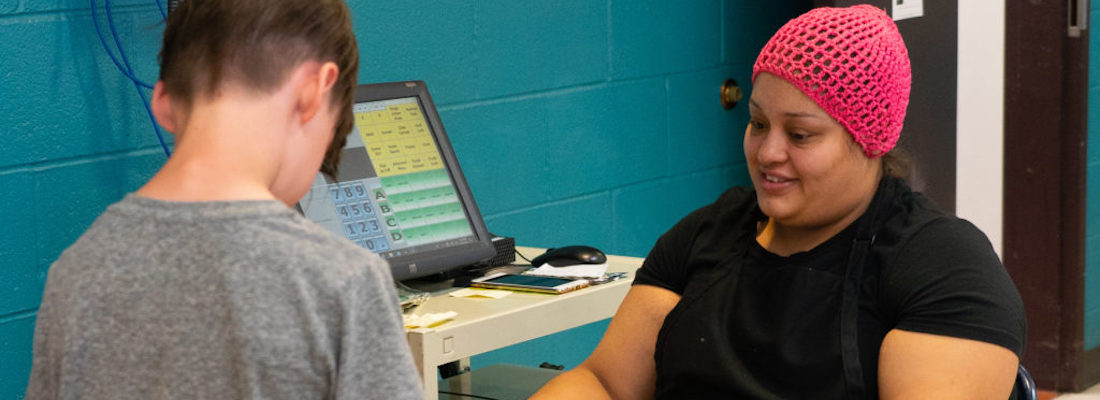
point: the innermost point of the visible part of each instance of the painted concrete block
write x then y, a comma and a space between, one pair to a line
583, 220
20, 278
701, 134
1092, 273
645, 211
1093, 122
72, 196
1092, 179
435, 43
606, 137
1092, 328
655, 37
16, 344
63, 97
525, 47
500, 147
9, 6
738, 175
747, 25
68, 6
560, 145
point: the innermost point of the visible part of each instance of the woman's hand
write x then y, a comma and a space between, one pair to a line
622, 365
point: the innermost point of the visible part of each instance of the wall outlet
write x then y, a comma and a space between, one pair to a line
905, 9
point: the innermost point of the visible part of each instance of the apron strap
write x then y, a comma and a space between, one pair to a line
853, 278
849, 318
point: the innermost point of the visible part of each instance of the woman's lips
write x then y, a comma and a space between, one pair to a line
774, 184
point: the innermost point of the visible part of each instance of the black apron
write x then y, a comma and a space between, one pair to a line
762, 332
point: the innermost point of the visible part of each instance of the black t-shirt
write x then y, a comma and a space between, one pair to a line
927, 271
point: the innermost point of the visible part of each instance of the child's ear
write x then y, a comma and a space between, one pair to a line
162, 107
316, 88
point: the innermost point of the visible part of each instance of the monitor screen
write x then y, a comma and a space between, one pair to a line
400, 192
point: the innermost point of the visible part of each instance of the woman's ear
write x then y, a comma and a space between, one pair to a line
162, 107
316, 88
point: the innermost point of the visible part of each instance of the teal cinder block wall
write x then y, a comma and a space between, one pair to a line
1092, 224
576, 121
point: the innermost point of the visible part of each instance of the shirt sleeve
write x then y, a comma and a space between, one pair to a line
45, 380
948, 281
374, 358
666, 266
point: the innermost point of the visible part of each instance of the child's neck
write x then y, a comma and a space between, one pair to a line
227, 150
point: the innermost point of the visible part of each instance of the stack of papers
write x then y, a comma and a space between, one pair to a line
428, 320
570, 271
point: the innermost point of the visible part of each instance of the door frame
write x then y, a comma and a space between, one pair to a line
1046, 100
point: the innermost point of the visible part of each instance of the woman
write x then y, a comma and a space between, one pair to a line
828, 278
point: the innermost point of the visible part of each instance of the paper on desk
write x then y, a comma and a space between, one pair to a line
478, 292
570, 271
428, 320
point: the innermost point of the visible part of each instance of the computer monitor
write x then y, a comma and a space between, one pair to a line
399, 191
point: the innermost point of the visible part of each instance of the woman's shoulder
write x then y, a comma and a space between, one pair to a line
918, 235
703, 237
914, 217
939, 274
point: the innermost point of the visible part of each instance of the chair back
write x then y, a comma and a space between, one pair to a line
1025, 386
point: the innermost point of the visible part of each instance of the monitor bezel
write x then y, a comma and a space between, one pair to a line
445, 259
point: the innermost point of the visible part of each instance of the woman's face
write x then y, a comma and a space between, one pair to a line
808, 171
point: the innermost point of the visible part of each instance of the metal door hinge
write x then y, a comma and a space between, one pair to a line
1077, 17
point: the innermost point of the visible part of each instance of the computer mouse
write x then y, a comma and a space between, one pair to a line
570, 255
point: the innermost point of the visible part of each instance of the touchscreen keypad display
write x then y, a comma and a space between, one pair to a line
356, 210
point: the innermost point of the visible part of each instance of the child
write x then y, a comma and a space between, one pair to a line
204, 283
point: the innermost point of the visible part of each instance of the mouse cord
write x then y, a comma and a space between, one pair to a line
521, 256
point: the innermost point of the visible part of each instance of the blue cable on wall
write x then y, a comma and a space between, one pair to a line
125, 67
160, 6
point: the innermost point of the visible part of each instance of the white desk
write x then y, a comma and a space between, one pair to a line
484, 325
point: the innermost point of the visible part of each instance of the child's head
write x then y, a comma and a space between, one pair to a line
256, 44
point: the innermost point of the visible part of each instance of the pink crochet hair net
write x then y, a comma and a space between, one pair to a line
853, 63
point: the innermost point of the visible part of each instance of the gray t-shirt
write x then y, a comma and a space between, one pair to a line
218, 300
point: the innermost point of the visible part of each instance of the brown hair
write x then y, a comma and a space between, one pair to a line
257, 43
897, 163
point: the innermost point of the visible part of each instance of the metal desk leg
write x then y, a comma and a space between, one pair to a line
460, 383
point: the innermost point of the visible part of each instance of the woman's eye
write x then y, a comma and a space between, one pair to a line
798, 137
757, 125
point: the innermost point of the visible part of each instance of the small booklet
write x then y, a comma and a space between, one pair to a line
529, 283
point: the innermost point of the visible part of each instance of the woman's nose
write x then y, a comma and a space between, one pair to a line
773, 148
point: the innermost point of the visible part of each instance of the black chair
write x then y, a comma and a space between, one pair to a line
1025, 386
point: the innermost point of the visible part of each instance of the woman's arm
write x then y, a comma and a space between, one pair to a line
948, 282
916, 365
622, 365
